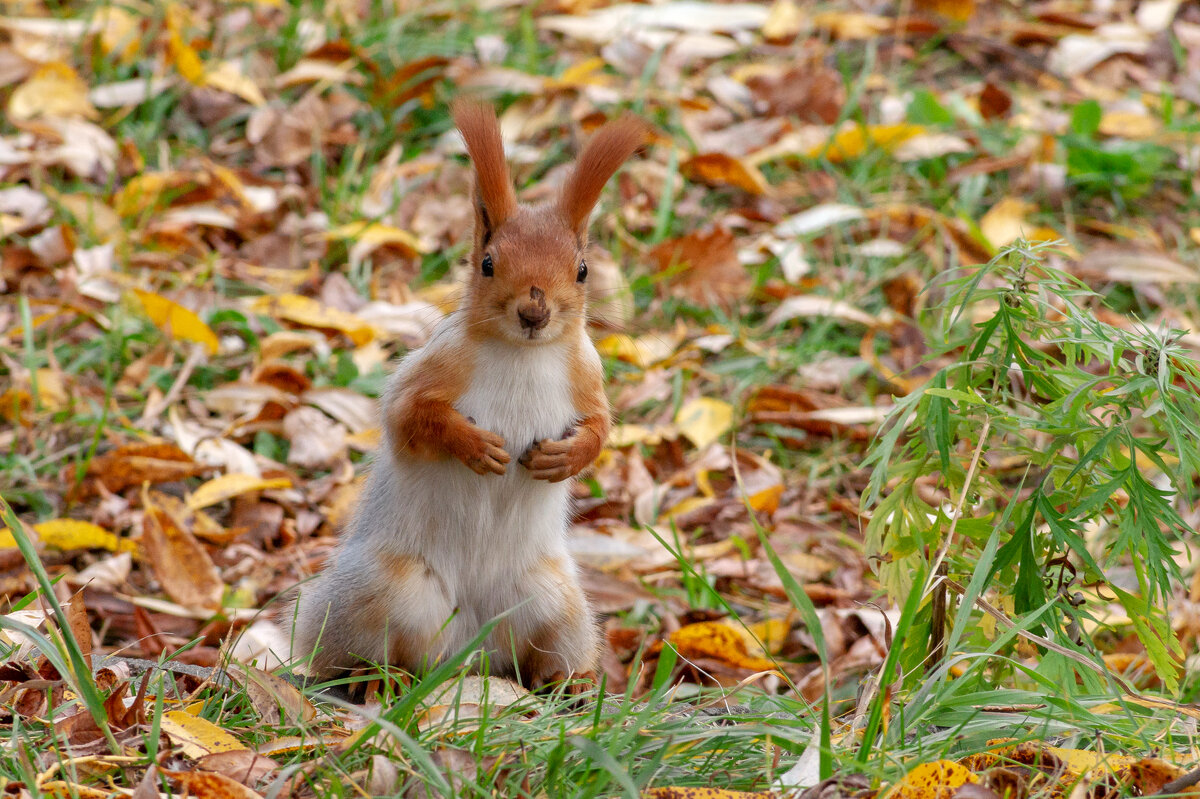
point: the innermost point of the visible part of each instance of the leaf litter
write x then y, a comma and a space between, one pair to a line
213, 247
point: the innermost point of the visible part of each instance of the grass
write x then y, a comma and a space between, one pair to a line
909, 710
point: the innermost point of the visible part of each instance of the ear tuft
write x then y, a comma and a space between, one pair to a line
604, 153
495, 198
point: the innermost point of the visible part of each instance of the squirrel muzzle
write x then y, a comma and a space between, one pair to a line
533, 313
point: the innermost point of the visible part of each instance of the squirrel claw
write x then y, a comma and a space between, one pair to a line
550, 459
489, 455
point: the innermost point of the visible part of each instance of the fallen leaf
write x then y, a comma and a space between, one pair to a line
720, 641
937, 780
709, 270
228, 486
182, 566
210, 785
307, 312
53, 90
177, 321
196, 736
71, 534
134, 464
808, 305
960, 10
853, 141
704, 420
783, 22
1005, 222
719, 169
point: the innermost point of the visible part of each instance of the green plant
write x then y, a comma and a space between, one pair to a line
1066, 436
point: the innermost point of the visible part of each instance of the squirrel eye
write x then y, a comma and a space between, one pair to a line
582, 274
488, 269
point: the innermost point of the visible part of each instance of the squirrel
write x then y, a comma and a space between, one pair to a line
450, 532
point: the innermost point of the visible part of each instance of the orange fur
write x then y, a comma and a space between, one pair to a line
604, 153
425, 424
495, 199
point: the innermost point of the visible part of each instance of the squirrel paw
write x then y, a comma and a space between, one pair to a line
485, 453
553, 460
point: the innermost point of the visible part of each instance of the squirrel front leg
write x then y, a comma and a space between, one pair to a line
555, 460
424, 423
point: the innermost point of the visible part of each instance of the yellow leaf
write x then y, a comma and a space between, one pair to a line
1129, 125
228, 486
626, 435
772, 633
142, 192
198, 737
853, 25
228, 77
375, 233
177, 321
119, 33
937, 780
70, 534
1005, 222
1194, 234
766, 500
693, 792
714, 639
783, 22
581, 74
704, 420
720, 169
960, 10
55, 90
307, 312
688, 505
852, 142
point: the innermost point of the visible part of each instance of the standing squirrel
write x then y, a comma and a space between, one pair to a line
450, 532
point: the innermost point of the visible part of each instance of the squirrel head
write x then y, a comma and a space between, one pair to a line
528, 276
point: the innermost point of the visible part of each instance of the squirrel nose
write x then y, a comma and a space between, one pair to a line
534, 314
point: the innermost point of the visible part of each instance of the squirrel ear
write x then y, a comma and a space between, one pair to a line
604, 153
495, 200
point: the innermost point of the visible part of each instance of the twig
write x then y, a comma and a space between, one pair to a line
1181, 784
154, 409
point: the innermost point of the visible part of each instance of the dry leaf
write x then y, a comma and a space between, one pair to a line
709, 269
70, 534
180, 563
228, 486
177, 321
719, 169
704, 420
198, 737
307, 312
53, 90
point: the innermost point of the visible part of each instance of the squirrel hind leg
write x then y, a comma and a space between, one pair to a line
559, 639
389, 609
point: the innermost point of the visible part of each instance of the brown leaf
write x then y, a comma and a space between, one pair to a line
180, 563
710, 271
813, 92
719, 169
246, 766
211, 785
274, 698
134, 464
994, 102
